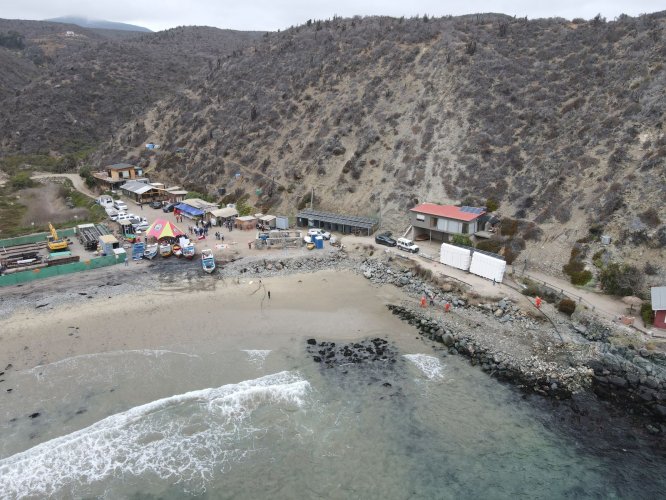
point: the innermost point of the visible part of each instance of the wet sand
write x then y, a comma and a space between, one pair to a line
334, 305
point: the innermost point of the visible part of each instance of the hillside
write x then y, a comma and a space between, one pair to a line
66, 92
559, 122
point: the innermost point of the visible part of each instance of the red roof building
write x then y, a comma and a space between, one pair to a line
439, 222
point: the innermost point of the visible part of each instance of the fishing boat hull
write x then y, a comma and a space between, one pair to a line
188, 252
166, 250
207, 261
150, 252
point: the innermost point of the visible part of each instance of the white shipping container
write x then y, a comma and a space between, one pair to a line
487, 267
454, 256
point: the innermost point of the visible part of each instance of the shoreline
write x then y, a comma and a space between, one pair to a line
497, 333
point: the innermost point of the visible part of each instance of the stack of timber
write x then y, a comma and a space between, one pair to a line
21, 257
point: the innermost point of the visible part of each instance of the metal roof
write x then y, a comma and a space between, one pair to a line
137, 187
658, 296
465, 214
200, 204
225, 212
347, 220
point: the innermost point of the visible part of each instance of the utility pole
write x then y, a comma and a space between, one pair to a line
312, 199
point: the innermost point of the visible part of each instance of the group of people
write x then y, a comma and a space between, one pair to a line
179, 218
198, 231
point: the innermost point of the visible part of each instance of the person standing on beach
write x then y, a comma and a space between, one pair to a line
269, 295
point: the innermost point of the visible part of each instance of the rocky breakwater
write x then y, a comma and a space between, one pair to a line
634, 379
309, 263
529, 373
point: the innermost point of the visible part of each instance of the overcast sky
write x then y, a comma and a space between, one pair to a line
280, 14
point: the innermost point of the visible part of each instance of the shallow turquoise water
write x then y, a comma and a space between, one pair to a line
195, 421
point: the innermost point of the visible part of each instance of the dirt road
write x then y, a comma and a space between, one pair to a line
77, 181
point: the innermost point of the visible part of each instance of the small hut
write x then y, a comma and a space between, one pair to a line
246, 222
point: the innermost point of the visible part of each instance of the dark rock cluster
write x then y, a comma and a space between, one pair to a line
632, 379
365, 351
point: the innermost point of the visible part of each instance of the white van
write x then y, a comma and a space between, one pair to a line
120, 205
105, 201
407, 245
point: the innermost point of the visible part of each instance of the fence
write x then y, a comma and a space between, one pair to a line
34, 238
48, 272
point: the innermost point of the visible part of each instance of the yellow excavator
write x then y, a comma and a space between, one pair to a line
54, 243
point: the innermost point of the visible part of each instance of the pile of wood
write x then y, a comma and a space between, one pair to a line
21, 257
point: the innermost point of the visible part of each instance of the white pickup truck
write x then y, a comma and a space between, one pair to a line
407, 245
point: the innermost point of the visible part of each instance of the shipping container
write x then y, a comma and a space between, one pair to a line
454, 256
487, 266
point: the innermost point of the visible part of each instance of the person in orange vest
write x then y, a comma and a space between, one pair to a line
423, 301
447, 307
538, 302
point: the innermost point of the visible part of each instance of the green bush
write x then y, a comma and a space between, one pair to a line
621, 280
492, 246
581, 278
21, 180
567, 306
647, 313
573, 267
461, 239
492, 205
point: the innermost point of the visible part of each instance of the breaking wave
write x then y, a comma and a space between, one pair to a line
184, 439
431, 366
156, 353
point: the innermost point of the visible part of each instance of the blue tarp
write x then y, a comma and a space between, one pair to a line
183, 207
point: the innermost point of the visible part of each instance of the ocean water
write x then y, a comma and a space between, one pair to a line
213, 422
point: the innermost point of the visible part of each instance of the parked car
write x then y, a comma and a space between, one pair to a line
169, 207
406, 245
319, 232
119, 205
155, 204
385, 239
124, 216
114, 217
141, 226
135, 219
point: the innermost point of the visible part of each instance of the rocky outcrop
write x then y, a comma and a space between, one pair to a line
546, 378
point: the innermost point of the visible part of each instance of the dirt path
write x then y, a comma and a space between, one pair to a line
76, 179
605, 305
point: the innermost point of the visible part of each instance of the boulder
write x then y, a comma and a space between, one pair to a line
498, 313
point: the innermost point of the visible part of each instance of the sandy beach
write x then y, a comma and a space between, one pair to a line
339, 306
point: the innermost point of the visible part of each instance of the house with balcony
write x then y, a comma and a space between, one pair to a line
439, 222
114, 176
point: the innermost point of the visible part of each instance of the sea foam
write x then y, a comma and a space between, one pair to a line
184, 438
431, 366
257, 356
71, 361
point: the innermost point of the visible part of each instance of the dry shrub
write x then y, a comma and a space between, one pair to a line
567, 306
